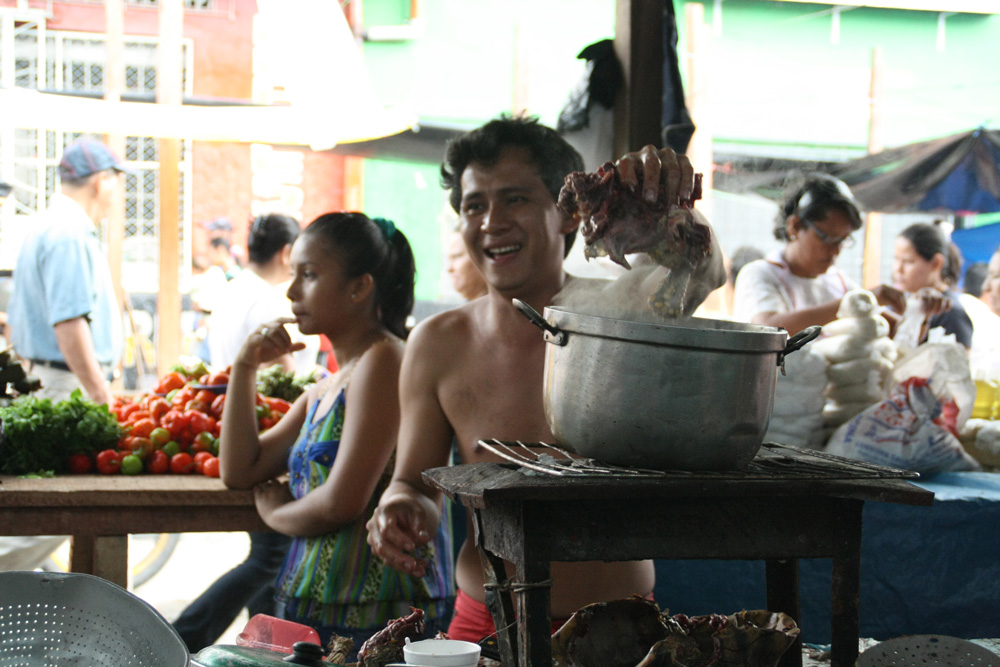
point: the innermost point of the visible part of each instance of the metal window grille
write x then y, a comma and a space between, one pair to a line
69, 61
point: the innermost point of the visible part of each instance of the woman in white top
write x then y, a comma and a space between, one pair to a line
799, 286
257, 295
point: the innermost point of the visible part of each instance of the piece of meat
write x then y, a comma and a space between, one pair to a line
386, 645
616, 221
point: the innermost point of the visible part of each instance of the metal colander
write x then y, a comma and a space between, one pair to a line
64, 620
927, 650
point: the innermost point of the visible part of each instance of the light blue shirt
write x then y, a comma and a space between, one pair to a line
62, 274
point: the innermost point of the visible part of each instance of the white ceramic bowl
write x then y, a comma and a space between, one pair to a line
441, 653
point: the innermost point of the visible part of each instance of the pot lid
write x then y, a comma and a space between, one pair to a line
692, 332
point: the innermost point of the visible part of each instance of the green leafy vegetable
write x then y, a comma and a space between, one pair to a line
277, 382
39, 434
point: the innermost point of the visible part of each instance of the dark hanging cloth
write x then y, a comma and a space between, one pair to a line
600, 84
676, 121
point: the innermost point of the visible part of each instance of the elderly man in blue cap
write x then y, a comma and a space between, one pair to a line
64, 314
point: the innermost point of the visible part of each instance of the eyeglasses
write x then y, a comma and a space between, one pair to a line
835, 241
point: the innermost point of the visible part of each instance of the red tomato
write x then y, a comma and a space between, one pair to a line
169, 382
217, 378
108, 462
158, 407
266, 423
176, 422
80, 464
181, 464
183, 395
205, 396
128, 410
210, 468
199, 461
277, 404
199, 421
158, 462
217, 406
141, 428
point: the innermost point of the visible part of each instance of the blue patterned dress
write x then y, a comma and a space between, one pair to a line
334, 582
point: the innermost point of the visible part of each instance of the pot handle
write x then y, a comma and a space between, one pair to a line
797, 342
553, 334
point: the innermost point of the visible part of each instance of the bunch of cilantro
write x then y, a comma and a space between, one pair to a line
279, 383
39, 434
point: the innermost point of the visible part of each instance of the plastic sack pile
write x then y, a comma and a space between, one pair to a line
916, 427
861, 355
796, 418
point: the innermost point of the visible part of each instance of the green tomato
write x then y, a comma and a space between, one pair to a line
171, 448
170, 394
131, 465
197, 371
263, 412
159, 436
215, 447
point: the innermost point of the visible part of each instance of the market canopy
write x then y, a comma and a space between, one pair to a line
956, 174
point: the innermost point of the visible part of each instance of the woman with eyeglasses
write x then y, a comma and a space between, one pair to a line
799, 286
927, 264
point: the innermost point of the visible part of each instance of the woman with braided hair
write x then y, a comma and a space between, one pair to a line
353, 281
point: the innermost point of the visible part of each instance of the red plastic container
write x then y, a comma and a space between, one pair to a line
275, 634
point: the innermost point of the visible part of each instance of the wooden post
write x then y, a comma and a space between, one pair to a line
639, 47
354, 184
872, 262
699, 106
114, 78
169, 91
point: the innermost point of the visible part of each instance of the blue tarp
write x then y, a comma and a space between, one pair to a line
978, 243
924, 570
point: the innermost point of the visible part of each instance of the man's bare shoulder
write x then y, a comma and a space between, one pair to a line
447, 331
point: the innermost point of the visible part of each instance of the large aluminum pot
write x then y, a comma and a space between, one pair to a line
696, 396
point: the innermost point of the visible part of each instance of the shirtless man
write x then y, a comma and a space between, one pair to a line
475, 372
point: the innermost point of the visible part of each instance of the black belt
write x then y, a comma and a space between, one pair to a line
61, 365
109, 374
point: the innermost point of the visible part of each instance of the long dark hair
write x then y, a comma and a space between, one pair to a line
929, 240
270, 233
553, 155
812, 198
377, 247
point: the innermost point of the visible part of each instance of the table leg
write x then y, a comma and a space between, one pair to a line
845, 622
783, 595
534, 616
104, 556
497, 598
81, 553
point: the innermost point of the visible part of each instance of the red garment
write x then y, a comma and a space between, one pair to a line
472, 620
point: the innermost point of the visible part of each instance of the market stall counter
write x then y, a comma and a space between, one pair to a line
100, 511
788, 504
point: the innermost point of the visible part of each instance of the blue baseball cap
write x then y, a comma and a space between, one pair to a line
85, 157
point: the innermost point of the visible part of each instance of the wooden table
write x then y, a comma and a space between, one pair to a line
100, 511
777, 513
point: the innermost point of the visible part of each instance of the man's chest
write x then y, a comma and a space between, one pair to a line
496, 396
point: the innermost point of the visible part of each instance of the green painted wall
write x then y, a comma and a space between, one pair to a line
408, 194
776, 77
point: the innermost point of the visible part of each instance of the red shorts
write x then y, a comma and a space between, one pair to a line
472, 620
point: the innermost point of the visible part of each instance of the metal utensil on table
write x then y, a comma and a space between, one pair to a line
927, 650
71, 618
693, 394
